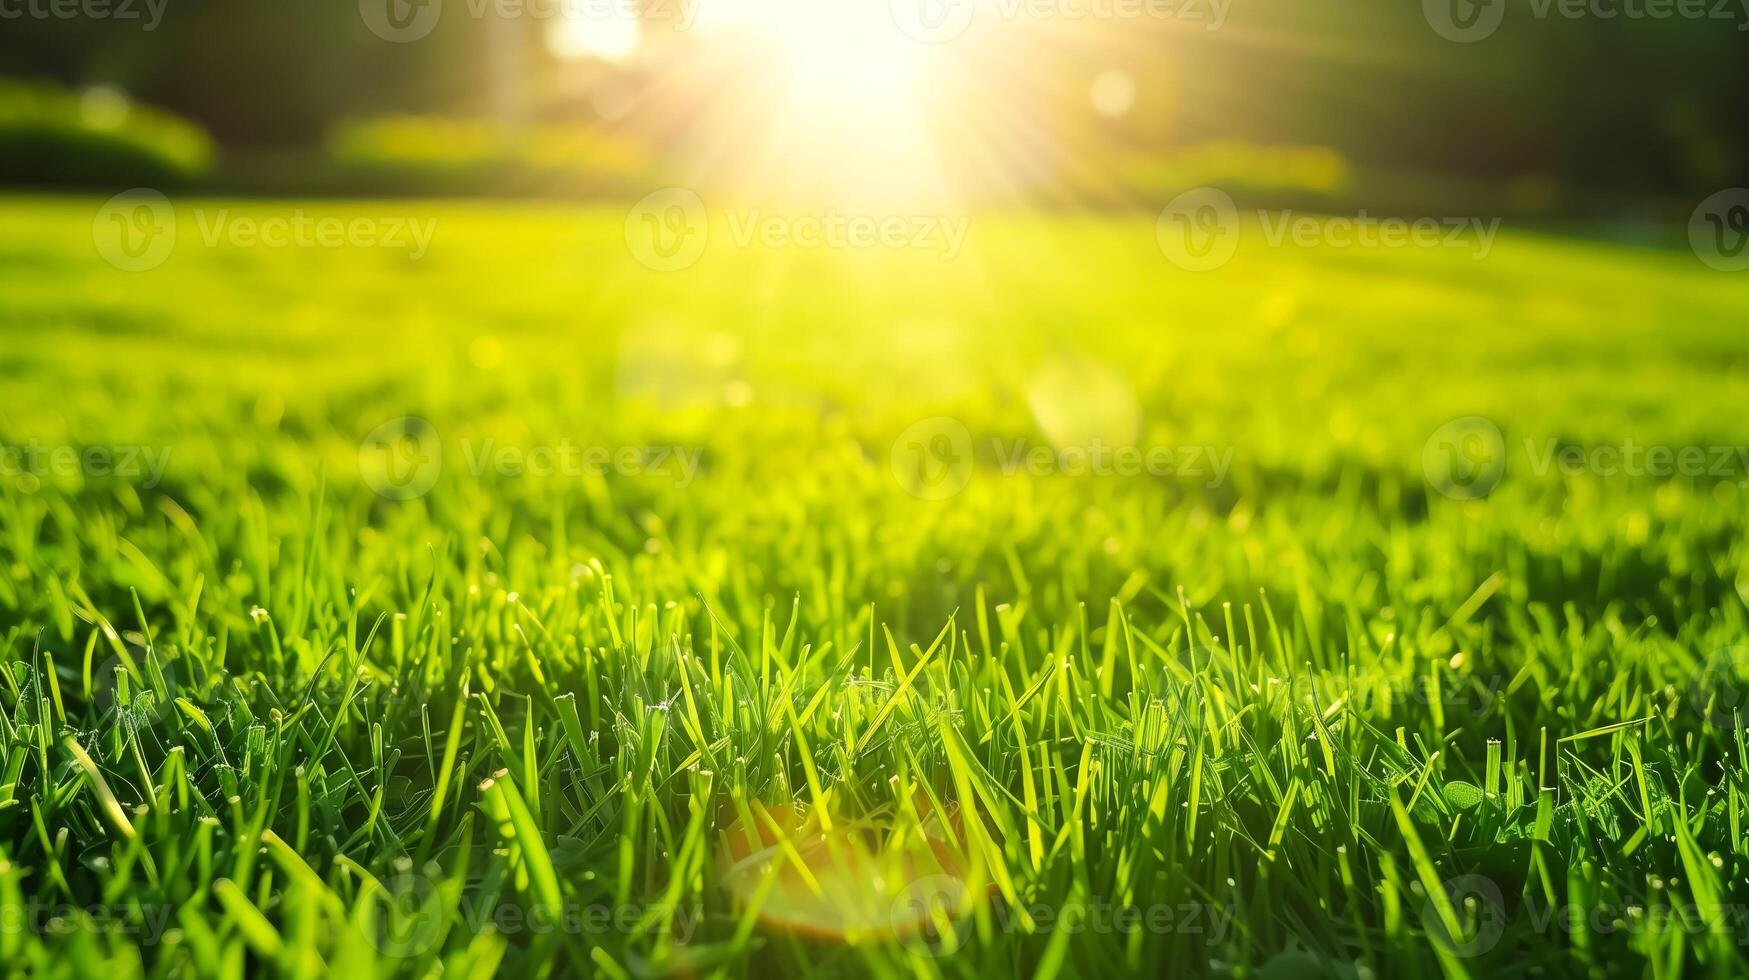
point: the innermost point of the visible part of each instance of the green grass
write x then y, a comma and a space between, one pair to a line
1314, 717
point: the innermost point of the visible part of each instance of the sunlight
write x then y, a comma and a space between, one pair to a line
831, 51
610, 33
801, 19
835, 60
798, 102
826, 101
874, 878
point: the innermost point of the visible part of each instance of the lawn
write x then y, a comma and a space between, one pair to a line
1042, 610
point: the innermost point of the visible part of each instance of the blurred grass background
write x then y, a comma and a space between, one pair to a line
1338, 689
1569, 624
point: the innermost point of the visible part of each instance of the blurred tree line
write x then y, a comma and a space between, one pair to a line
1615, 105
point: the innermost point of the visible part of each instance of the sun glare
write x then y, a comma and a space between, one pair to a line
824, 100
804, 101
609, 34
848, 55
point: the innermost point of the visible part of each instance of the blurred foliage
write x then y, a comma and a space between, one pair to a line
1237, 166
446, 155
1631, 107
98, 137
